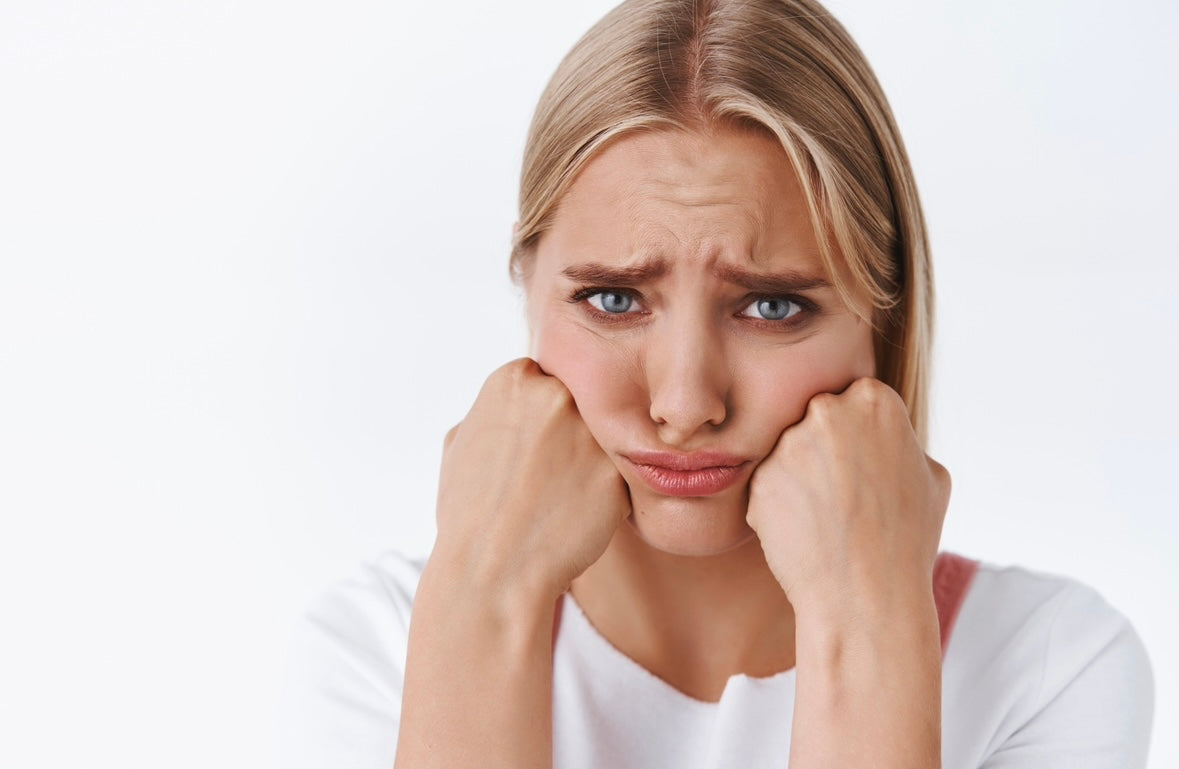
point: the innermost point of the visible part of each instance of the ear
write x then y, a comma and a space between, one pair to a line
515, 229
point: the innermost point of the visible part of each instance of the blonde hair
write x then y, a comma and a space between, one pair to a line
783, 66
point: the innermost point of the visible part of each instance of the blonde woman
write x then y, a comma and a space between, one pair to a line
698, 527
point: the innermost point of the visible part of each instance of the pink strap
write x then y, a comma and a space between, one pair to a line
952, 575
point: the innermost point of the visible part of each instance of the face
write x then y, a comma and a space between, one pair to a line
681, 298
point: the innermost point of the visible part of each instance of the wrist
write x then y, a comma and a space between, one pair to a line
508, 584
905, 608
862, 590
474, 641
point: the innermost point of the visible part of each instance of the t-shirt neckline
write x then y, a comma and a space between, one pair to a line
601, 648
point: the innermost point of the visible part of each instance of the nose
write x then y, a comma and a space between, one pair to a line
688, 379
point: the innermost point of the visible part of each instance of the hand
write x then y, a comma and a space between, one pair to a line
526, 494
847, 506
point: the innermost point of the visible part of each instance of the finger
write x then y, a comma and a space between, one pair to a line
857, 383
449, 437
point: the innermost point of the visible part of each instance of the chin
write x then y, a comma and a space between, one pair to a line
692, 526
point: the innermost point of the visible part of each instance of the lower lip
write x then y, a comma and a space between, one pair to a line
690, 483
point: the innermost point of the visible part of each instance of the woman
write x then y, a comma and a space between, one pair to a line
698, 527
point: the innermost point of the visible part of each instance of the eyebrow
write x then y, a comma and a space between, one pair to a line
770, 283
600, 274
762, 283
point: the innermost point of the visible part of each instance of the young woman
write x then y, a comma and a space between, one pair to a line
698, 528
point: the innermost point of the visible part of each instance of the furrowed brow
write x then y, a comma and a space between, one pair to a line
776, 283
603, 275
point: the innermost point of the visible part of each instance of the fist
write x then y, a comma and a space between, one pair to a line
848, 504
526, 494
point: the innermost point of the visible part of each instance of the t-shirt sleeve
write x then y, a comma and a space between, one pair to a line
342, 701
1094, 703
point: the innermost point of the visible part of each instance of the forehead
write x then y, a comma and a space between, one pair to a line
725, 195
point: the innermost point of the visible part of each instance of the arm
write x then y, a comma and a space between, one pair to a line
478, 682
869, 685
514, 530
849, 509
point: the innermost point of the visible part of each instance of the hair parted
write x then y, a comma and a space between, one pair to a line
782, 66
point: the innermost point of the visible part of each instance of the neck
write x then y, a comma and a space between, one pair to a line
693, 621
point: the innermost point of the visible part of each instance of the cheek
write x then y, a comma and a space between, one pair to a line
776, 392
601, 375
778, 387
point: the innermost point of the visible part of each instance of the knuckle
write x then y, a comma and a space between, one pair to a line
555, 391
879, 399
821, 404
516, 370
942, 479
873, 391
512, 377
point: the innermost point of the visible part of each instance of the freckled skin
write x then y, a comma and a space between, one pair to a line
689, 370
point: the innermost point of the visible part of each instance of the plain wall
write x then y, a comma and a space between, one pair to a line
253, 266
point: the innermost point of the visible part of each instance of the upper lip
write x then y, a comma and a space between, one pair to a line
696, 460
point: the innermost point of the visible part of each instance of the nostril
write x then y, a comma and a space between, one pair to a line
688, 414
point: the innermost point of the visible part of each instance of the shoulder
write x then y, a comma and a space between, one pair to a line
342, 700
376, 601
365, 619
1011, 607
1042, 659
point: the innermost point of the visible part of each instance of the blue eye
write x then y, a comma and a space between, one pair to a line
611, 302
773, 308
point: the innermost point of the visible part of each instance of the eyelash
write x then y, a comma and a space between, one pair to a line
807, 308
581, 295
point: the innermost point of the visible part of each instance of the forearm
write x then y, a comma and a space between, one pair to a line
478, 679
869, 687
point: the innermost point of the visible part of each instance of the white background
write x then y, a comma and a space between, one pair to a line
253, 265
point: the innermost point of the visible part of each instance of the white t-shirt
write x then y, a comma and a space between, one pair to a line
1039, 673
